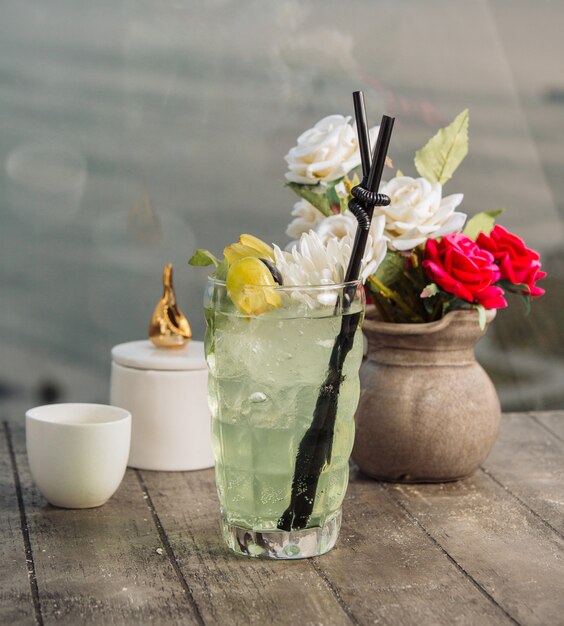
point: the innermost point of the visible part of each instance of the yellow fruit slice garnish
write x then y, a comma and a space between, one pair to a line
263, 249
237, 251
249, 284
248, 246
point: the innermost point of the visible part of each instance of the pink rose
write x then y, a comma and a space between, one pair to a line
517, 263
460, 267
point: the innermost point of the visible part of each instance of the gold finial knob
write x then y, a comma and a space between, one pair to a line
169, 327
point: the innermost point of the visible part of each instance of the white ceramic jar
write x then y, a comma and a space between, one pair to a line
166, 393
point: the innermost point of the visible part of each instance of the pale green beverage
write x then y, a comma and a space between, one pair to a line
265, 376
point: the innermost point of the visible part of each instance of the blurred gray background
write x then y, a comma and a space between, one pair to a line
133, 132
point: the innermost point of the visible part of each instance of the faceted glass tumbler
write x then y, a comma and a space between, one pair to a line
283, 390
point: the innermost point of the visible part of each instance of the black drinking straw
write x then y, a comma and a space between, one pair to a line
362, 131
371, 182
316, 445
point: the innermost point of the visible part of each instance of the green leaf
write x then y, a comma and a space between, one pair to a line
521, 289
355, 180
314, 194
399, 173
202, 258
391, 269
355, 173
481, 223
526, 301
438, 159
221, 270
481, 315
333, 198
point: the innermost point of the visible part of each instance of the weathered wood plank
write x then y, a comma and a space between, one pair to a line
390, 572
230, 589
104, 565
551, 420
528, 461
506, 549
16, 602
384, 567
477, 551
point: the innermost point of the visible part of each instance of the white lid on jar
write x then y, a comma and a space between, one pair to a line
146, 356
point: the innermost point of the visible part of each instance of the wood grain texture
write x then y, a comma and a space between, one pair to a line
528, 461
16, 603
104, 565
496, 540
553, 421
230, 589
391, 572
487, 550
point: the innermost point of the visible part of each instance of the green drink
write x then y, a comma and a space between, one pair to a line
266, 373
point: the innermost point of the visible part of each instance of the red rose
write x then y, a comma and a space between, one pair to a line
517, 263
459, 266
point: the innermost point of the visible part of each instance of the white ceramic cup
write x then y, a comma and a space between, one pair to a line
77, 452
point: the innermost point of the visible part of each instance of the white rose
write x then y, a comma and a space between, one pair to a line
418, 212
325, 152
306, 216
338, 226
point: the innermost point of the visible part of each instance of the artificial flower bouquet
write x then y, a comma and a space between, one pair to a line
423, 257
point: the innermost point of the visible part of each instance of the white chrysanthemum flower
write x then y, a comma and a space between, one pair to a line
312, 262
418, 212
376, 247
306, 216
345, 225
325, 152
323, 259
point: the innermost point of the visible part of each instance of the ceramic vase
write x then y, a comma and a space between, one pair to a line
428, 412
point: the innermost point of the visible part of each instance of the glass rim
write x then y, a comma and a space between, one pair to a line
329, 286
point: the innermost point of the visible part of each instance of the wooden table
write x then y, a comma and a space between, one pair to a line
487, 550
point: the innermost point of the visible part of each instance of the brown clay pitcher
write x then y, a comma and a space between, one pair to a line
428, 412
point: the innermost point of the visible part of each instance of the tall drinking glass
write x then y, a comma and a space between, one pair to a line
283, 390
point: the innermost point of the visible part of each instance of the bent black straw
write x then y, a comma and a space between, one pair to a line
370, 184
316, 446
362, 132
